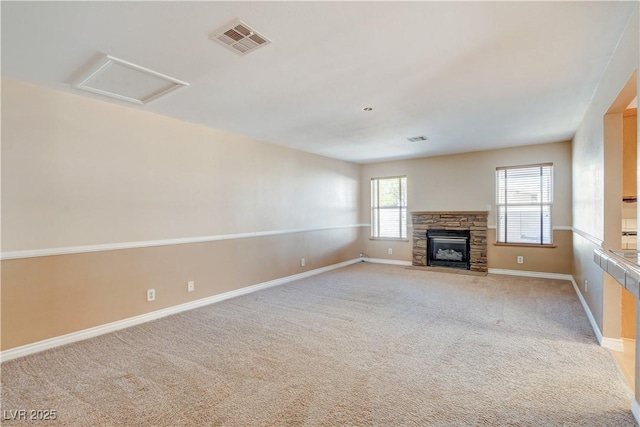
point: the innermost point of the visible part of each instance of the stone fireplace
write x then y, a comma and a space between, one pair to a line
450, 239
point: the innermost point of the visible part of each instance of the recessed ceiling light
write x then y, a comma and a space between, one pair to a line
123, 80
367, 108
417, 138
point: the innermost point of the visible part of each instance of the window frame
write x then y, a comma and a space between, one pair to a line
402, 208
541, 204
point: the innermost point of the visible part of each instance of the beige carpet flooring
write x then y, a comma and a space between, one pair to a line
366, 345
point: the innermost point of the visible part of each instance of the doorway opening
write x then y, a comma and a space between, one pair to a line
620, 221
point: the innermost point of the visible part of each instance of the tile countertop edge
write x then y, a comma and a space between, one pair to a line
620, 268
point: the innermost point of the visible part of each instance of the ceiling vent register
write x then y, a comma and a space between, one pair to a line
417, 138
239, 37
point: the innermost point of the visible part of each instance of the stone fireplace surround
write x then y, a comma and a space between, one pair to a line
474, 221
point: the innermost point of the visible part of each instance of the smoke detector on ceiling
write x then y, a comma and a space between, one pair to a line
239, 37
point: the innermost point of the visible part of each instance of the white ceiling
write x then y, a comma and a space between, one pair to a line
468, 75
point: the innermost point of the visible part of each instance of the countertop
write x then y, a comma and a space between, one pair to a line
624, 266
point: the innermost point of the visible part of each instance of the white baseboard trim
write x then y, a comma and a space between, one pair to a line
635, 410
387, 261
610, 343
525, 273
587, 310
615, 344
47, 344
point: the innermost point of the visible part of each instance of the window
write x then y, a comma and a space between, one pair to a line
389, 207
524, 196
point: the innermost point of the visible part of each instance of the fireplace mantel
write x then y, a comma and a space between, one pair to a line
474, 221
454, 213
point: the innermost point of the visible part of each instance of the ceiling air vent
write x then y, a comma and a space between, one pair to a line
239, 37
417, 138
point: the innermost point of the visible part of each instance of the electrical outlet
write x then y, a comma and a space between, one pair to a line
151, 295
303, 262
520, 259
586, 285
390, 251
191, 286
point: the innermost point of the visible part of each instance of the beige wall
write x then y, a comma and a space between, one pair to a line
466, 182
49, 296
556, 259
78, 172
629, 153
629, 189
592, 186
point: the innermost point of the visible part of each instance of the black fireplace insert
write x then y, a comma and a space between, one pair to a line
448, 248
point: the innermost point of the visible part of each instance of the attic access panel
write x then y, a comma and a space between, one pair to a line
126, 81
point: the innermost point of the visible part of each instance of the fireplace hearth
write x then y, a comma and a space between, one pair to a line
448, 248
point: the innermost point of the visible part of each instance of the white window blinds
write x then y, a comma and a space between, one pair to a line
524, 197
389, 207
